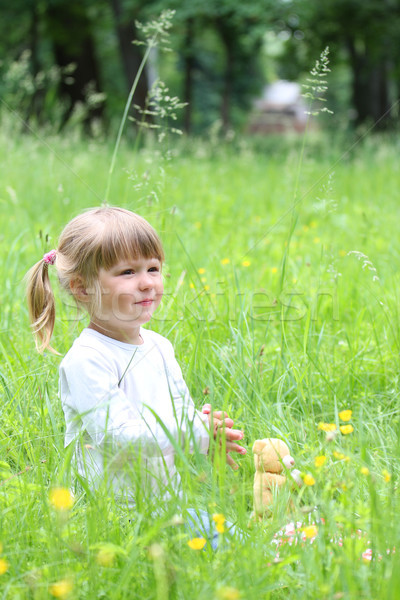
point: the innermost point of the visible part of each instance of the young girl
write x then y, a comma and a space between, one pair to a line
124, 399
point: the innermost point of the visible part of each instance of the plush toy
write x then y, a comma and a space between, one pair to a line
272, 459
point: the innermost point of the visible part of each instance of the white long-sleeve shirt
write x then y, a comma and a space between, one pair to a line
125, 403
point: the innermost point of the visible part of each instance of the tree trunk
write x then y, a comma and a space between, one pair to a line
359, 87
228, 40
36, 100
380, 105
227, 90
69, 30
131, 54
370, 87
189, 63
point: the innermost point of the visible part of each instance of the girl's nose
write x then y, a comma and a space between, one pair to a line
145, 281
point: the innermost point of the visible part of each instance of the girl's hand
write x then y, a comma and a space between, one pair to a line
221, 424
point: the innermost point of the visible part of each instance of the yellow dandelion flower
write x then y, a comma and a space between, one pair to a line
317, 240
364, 471
197, 543
346, 429
327, 427
219, 521
105, 557
308, 479
274, 270
246, 263
313, 224
310, 531
225, 261
342, 253
218, 518
345, 415
228, 593
197, 224
320, 460
201, 271
341, 456
386, 475
191, 285
206, 287
61, 589
3, 566
61, 498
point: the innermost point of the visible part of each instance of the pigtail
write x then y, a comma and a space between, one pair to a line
41, 304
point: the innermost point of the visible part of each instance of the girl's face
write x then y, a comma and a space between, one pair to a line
130, 293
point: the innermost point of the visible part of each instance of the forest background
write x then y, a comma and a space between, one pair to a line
75, 61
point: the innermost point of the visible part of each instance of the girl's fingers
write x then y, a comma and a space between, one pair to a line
206, 409
231, 462
226, 423
234, 434
220, 414
222, 428
231, 447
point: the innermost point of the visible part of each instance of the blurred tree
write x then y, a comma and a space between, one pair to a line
241, 29
366, 32
70, 31
126, 14
219, 43
216, 67
19, 39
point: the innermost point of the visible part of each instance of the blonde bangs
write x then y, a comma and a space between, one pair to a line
102, 237
126, 236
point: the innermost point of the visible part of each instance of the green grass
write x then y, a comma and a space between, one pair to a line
269, 314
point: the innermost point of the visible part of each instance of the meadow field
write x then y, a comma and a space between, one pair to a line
281, 300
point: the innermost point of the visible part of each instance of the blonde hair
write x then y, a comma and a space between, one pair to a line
98, 238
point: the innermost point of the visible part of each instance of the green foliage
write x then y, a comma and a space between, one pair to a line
223, 53
228, 71
363, 40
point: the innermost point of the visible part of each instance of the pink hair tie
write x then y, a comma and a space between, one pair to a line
50, 257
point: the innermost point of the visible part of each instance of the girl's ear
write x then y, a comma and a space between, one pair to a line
78, 289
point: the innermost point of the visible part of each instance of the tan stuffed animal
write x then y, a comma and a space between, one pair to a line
271, 459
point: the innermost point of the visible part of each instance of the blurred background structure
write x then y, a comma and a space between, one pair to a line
281, 109
65, 62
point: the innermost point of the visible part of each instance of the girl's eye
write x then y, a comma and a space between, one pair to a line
154, 270
128, 272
